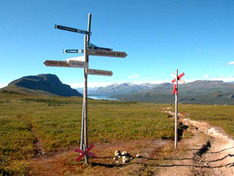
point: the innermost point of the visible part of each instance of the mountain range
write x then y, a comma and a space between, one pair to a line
199, 92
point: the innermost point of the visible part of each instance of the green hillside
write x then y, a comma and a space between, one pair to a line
42, 84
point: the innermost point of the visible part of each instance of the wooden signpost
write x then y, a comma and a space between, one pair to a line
71, 29
106, 53
70, 51
175, 92
100, 72
54, 63
83, 62
70, 63
73, 51
78, 64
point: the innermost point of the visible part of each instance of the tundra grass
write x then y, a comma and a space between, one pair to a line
217, 115
56, 122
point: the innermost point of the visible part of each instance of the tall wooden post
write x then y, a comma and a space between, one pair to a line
84, 138
87, 39
176, 111
85, 113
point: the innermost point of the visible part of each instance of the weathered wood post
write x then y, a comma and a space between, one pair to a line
85, 103
85, 94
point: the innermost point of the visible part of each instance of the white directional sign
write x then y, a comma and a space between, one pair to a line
106, 53
100, 72
70, 51
70, 29
71, 63
73, 51
80, 58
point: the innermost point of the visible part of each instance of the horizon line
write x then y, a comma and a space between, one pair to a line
104, 84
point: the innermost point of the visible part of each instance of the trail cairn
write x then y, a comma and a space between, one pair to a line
125, 157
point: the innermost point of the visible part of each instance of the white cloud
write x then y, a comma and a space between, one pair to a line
228, 78
223, 78
3, 85
151, 82
133, 76
231, 63
90, 84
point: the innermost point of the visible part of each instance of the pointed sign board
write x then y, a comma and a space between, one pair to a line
77, 64
106, 53
100, 72
92, 46
73, 51
70, 51
70, 29
54, 63
71, 63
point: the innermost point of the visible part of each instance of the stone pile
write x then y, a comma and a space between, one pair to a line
125, 157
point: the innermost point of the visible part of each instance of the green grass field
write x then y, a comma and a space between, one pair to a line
56, 121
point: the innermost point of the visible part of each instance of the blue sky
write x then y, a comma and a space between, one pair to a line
159, 36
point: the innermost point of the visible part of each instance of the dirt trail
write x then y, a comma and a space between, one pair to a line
37, 145
203, 151
211, 150
220, 156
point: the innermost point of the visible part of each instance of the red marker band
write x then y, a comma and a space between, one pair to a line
83, 152
175, 91
178, 77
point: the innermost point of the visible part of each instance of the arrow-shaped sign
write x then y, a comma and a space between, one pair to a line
92, 46
70, 63
70, 29
78, 64
54, 63
106, 53
73, 51
70, 51
83, 152
179, 78
100, 72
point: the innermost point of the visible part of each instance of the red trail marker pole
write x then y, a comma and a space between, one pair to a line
175, 93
